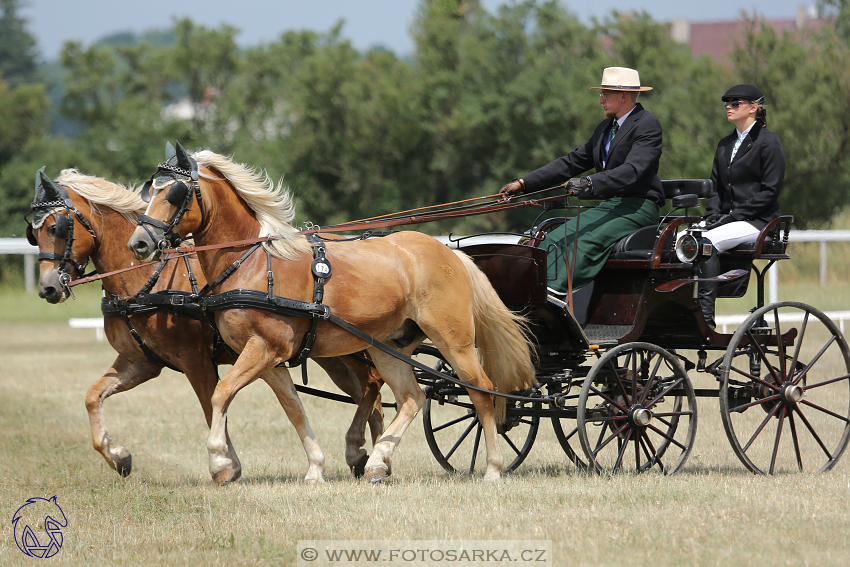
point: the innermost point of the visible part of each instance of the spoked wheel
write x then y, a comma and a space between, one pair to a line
455, 435
785, 393
637, 411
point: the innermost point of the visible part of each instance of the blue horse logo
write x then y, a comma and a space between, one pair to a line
39, 513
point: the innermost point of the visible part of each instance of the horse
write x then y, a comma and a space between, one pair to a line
399, 289
146, 342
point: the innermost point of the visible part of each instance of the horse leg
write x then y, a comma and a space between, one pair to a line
252, 362
122, 376
356, 379
465, 362
409, 400
203, 376
280, 382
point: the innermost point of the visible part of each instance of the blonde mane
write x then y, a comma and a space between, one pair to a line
99, 191
273, 205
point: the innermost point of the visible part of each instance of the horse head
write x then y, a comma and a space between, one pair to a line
169, 216
52, 230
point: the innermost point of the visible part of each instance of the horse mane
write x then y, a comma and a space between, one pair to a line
99, 191
272, 204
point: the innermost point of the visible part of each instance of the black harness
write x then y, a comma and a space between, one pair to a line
243, 298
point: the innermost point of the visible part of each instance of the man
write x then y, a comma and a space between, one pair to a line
625, 150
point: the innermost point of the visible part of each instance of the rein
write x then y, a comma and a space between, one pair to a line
365, 224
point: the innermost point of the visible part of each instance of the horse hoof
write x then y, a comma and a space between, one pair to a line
124, 465
359, 469
376, 474
225, 476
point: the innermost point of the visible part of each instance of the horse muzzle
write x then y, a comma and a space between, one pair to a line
144, 243
51, 288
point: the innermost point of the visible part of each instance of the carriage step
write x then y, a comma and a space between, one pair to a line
598, 333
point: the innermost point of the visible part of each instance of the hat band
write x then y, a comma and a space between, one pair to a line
620, 87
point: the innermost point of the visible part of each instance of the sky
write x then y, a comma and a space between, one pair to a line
368, 23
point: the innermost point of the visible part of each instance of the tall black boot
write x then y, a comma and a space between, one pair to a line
707, 294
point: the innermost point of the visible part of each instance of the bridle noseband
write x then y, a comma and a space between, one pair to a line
179, 195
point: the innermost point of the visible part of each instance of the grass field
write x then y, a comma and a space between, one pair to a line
168, 512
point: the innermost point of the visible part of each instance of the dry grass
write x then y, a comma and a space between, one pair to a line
168, 512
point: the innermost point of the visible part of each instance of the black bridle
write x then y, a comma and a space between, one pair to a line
179, 195
64, 229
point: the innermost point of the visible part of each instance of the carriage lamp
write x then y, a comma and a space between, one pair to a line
692, 246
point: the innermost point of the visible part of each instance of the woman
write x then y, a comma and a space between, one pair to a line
748, 172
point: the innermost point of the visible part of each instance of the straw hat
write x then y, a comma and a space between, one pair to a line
621, 79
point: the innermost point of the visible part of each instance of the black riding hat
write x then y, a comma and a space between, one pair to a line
746, 92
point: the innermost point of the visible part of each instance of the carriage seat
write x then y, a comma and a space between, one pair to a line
640, 244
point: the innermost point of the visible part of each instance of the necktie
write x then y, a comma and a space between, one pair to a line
605, 147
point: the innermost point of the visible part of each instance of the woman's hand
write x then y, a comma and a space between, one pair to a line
715, 220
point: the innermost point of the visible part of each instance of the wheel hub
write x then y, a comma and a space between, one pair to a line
792, 393
640, 416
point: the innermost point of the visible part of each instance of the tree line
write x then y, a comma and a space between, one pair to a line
485, 97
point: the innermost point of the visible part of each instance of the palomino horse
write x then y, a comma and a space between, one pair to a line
105, 215
399, 289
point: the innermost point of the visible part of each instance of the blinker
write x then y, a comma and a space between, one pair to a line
145, 193
61, 230
177, 193
31, 235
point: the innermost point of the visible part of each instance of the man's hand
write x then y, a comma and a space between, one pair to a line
715, 220
581, 187
515, 187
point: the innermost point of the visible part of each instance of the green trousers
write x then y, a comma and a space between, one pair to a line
599, 229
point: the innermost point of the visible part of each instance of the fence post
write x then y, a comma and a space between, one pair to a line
29, 272
823, 263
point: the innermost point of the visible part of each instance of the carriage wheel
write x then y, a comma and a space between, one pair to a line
785, 393
456, 437
637, 411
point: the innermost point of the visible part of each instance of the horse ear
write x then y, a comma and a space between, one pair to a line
183, 159
170, 152
39, 191
52, 191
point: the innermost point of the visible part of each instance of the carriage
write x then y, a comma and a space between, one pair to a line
613, 368
612, 362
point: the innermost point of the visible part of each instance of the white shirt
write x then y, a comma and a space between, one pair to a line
619, 122
740, 140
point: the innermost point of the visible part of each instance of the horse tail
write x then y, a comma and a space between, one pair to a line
502, 338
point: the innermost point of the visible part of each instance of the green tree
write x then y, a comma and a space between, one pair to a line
18, 53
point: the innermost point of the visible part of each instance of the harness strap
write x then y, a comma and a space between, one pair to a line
229, 271
318, 293
152, 357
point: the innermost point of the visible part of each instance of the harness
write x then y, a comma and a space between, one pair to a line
254, 299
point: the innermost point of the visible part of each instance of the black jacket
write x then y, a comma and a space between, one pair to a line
748, 188
631, 169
